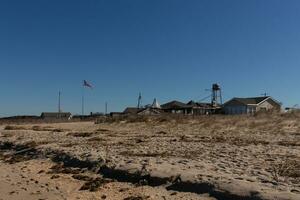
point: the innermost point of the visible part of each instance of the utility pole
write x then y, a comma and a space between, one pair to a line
82, 105
139, 101
59, 108
82, 100
105, 108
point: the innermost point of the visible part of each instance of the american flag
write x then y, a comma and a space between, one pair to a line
86, 84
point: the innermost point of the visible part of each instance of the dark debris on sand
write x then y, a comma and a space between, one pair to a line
94, 184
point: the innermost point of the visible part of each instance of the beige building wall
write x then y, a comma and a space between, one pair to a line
266, 106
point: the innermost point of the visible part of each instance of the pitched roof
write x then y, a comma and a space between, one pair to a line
175, 105
198, 104
250, 100
192, 103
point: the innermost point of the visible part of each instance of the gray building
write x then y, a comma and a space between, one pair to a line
177, 107
203, 108
251, 105
190, 108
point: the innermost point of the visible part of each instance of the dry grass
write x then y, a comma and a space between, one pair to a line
286, 169
81, 134
34, 128
262, 121
70, 144
13, 127
6, 135
147, 119
147, 154
289, 143
102, 130
97, 139
47, 128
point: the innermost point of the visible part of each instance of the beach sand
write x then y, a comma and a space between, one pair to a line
213, 157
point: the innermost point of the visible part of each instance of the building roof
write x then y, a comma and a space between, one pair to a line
175, 105
199, 104
251, 100
192, 103
131, 110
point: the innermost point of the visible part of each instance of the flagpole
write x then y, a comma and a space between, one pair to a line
59, 108
84, 84
82, 100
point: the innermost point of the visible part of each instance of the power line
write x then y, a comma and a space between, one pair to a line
205, 98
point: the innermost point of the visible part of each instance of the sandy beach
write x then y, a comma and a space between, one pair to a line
206, 158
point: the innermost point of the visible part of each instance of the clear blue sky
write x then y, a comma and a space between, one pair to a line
168, 49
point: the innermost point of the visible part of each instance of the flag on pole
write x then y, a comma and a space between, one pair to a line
86, 84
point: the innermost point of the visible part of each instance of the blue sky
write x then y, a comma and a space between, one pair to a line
168, 49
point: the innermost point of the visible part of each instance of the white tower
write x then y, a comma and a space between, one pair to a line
155, 104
